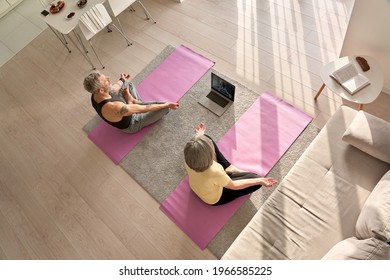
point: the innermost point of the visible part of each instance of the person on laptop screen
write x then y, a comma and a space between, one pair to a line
224, 88
212, 177
120, 104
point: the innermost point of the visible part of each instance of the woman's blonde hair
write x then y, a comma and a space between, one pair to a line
199, 153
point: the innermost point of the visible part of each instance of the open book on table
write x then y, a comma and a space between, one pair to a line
350, 78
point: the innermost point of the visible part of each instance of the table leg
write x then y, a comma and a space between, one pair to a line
61, 38
76, 45
360, 107
319, 92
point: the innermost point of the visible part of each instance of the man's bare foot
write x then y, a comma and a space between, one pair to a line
200, 129
231, 169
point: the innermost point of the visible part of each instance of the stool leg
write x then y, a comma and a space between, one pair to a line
319, 92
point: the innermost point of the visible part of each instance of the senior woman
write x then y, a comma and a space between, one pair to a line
212, 177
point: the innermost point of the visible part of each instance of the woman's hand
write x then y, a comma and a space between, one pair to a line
200, 129
245, 183
268, 182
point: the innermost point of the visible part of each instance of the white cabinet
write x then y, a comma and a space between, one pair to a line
7, 5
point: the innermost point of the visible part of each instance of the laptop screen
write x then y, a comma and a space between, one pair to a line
222, 86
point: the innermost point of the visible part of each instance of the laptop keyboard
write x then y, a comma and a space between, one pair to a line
218, 99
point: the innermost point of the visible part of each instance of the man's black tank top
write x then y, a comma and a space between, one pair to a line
123, 123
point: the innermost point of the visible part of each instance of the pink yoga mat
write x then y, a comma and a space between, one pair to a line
255, 143
168, 82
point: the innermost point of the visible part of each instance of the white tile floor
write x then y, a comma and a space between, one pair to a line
19, 27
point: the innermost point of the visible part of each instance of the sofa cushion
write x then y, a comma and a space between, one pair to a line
369, 134
374, 219
355, 249
318, 202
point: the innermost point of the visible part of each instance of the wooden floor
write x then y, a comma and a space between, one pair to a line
62, 198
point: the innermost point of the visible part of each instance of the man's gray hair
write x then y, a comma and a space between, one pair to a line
199, 153
92, 83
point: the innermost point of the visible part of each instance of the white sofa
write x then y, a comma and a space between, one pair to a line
325, 207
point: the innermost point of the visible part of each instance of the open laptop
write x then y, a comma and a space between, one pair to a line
221, 96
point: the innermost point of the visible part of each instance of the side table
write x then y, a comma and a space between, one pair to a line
365, 95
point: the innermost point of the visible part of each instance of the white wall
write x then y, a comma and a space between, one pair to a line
368, 33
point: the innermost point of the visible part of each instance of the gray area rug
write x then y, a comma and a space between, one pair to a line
157, 161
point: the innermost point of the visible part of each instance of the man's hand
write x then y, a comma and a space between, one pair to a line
173, 106
125, 76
